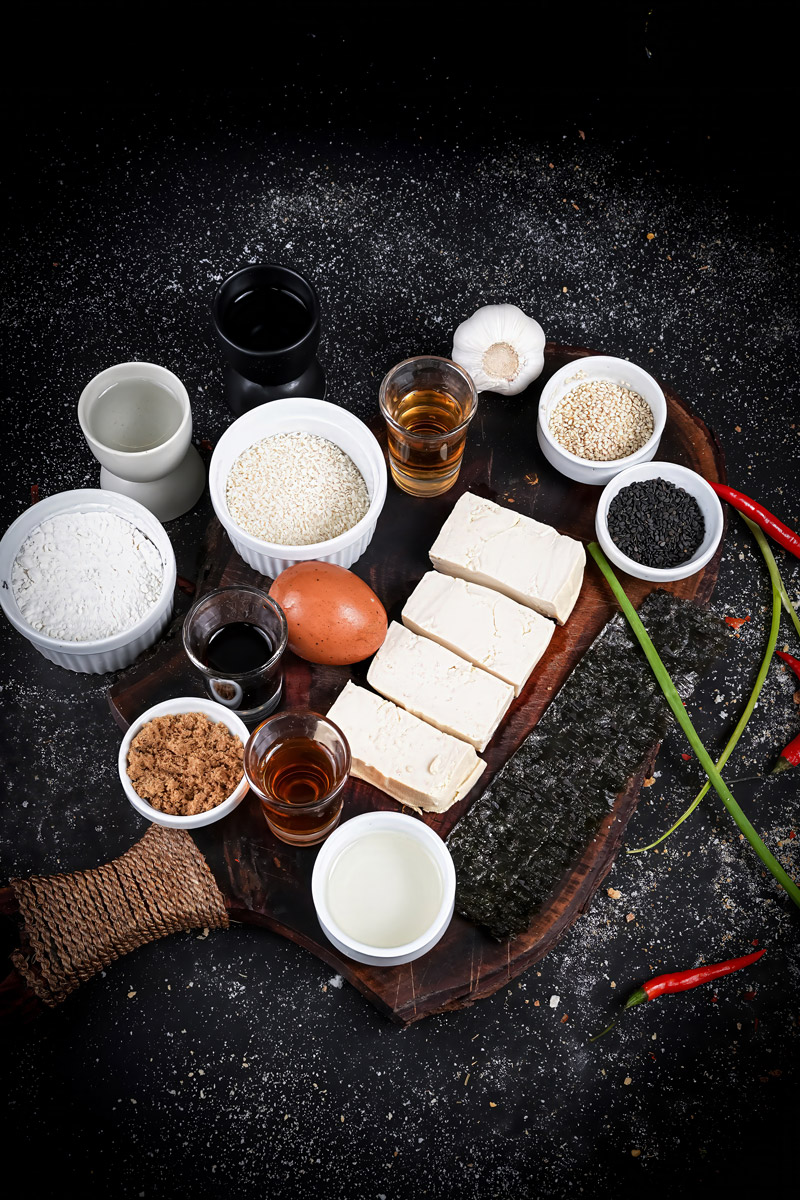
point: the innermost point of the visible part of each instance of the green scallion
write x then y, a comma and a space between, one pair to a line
682, 717
772, 640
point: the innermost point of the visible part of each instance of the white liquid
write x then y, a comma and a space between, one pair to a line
384, 889
135, 414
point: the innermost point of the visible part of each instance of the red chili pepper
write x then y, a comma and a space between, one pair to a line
736, 622
681, 981
790, 755
776, 529
790, 661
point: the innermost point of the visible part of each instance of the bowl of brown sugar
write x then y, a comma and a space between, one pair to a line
181, 763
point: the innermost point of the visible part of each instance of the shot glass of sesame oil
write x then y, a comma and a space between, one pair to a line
427, 403
297, 763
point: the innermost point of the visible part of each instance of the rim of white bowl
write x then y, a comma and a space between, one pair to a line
652, 470
115, 374
350, 831
607, 463
276, 549
80, 500
218, 713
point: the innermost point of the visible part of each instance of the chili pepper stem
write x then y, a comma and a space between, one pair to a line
676, 704
603, 1032
637, 997
781, 765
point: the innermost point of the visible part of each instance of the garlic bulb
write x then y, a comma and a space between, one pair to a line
501, 348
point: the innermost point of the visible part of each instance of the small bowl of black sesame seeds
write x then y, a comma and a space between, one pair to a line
659, 521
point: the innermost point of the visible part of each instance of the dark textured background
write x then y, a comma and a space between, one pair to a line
414, 163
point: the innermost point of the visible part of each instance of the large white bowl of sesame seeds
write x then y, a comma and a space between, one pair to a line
298, 480
598, 416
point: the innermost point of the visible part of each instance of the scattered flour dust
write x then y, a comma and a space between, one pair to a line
82, 576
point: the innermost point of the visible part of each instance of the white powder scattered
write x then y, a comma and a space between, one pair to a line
84, 576
296, 489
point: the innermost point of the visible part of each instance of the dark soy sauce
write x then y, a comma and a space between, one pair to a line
238, 647
266, 318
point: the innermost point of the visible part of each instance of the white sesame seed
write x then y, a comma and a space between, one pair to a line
296, 489
599, 420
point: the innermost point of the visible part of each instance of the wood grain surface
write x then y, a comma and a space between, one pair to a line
268, 883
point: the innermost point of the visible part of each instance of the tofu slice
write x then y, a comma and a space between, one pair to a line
530, 562
410, 760
485, 627
439, 686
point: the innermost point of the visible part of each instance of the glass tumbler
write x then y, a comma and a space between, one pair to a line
427, 403
236, 638
297, 764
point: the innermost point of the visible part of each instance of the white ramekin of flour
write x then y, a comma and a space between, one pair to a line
88, 577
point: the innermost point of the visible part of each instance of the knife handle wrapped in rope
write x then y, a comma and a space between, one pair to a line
75, 925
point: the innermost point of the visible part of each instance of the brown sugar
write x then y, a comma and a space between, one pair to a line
185, 763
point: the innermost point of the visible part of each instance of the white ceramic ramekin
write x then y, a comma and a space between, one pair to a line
106, 654
183, 704
307, 416
345, 835
682, 477
610, 370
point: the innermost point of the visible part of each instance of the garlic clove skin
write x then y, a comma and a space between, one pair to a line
501, 348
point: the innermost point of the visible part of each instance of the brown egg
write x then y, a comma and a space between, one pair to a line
333, 616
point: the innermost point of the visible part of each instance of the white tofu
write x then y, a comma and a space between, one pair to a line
439, 686
487, 628
502, 549
403, 756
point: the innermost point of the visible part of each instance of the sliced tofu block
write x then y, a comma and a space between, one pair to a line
403, 756
530, 562
439, 686
487, 628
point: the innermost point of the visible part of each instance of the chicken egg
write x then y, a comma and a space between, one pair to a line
333, 616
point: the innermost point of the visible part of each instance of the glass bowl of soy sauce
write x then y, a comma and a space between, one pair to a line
236, 638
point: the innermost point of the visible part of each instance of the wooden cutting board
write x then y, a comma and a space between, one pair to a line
268, 883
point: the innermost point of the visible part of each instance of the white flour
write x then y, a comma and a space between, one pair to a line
84, 576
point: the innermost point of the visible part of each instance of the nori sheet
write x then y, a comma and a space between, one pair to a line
544, 806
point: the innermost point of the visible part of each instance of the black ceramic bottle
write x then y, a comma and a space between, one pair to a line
266, 318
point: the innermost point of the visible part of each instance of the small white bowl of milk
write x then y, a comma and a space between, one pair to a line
384, 888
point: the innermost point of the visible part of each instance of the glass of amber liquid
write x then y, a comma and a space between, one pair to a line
297, 763
427, 403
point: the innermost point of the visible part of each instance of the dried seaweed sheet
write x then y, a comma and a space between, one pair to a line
544, 806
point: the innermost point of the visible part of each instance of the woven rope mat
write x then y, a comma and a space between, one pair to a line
75, 925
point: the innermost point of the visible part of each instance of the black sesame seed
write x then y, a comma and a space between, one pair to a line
656, 523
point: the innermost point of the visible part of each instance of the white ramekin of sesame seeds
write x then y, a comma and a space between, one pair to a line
295, 480
599, 415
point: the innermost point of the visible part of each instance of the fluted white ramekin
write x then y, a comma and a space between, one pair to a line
299, 416
604, 369
104, 654
184, 704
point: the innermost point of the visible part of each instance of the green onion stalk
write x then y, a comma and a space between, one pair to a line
779, 593
672, 697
